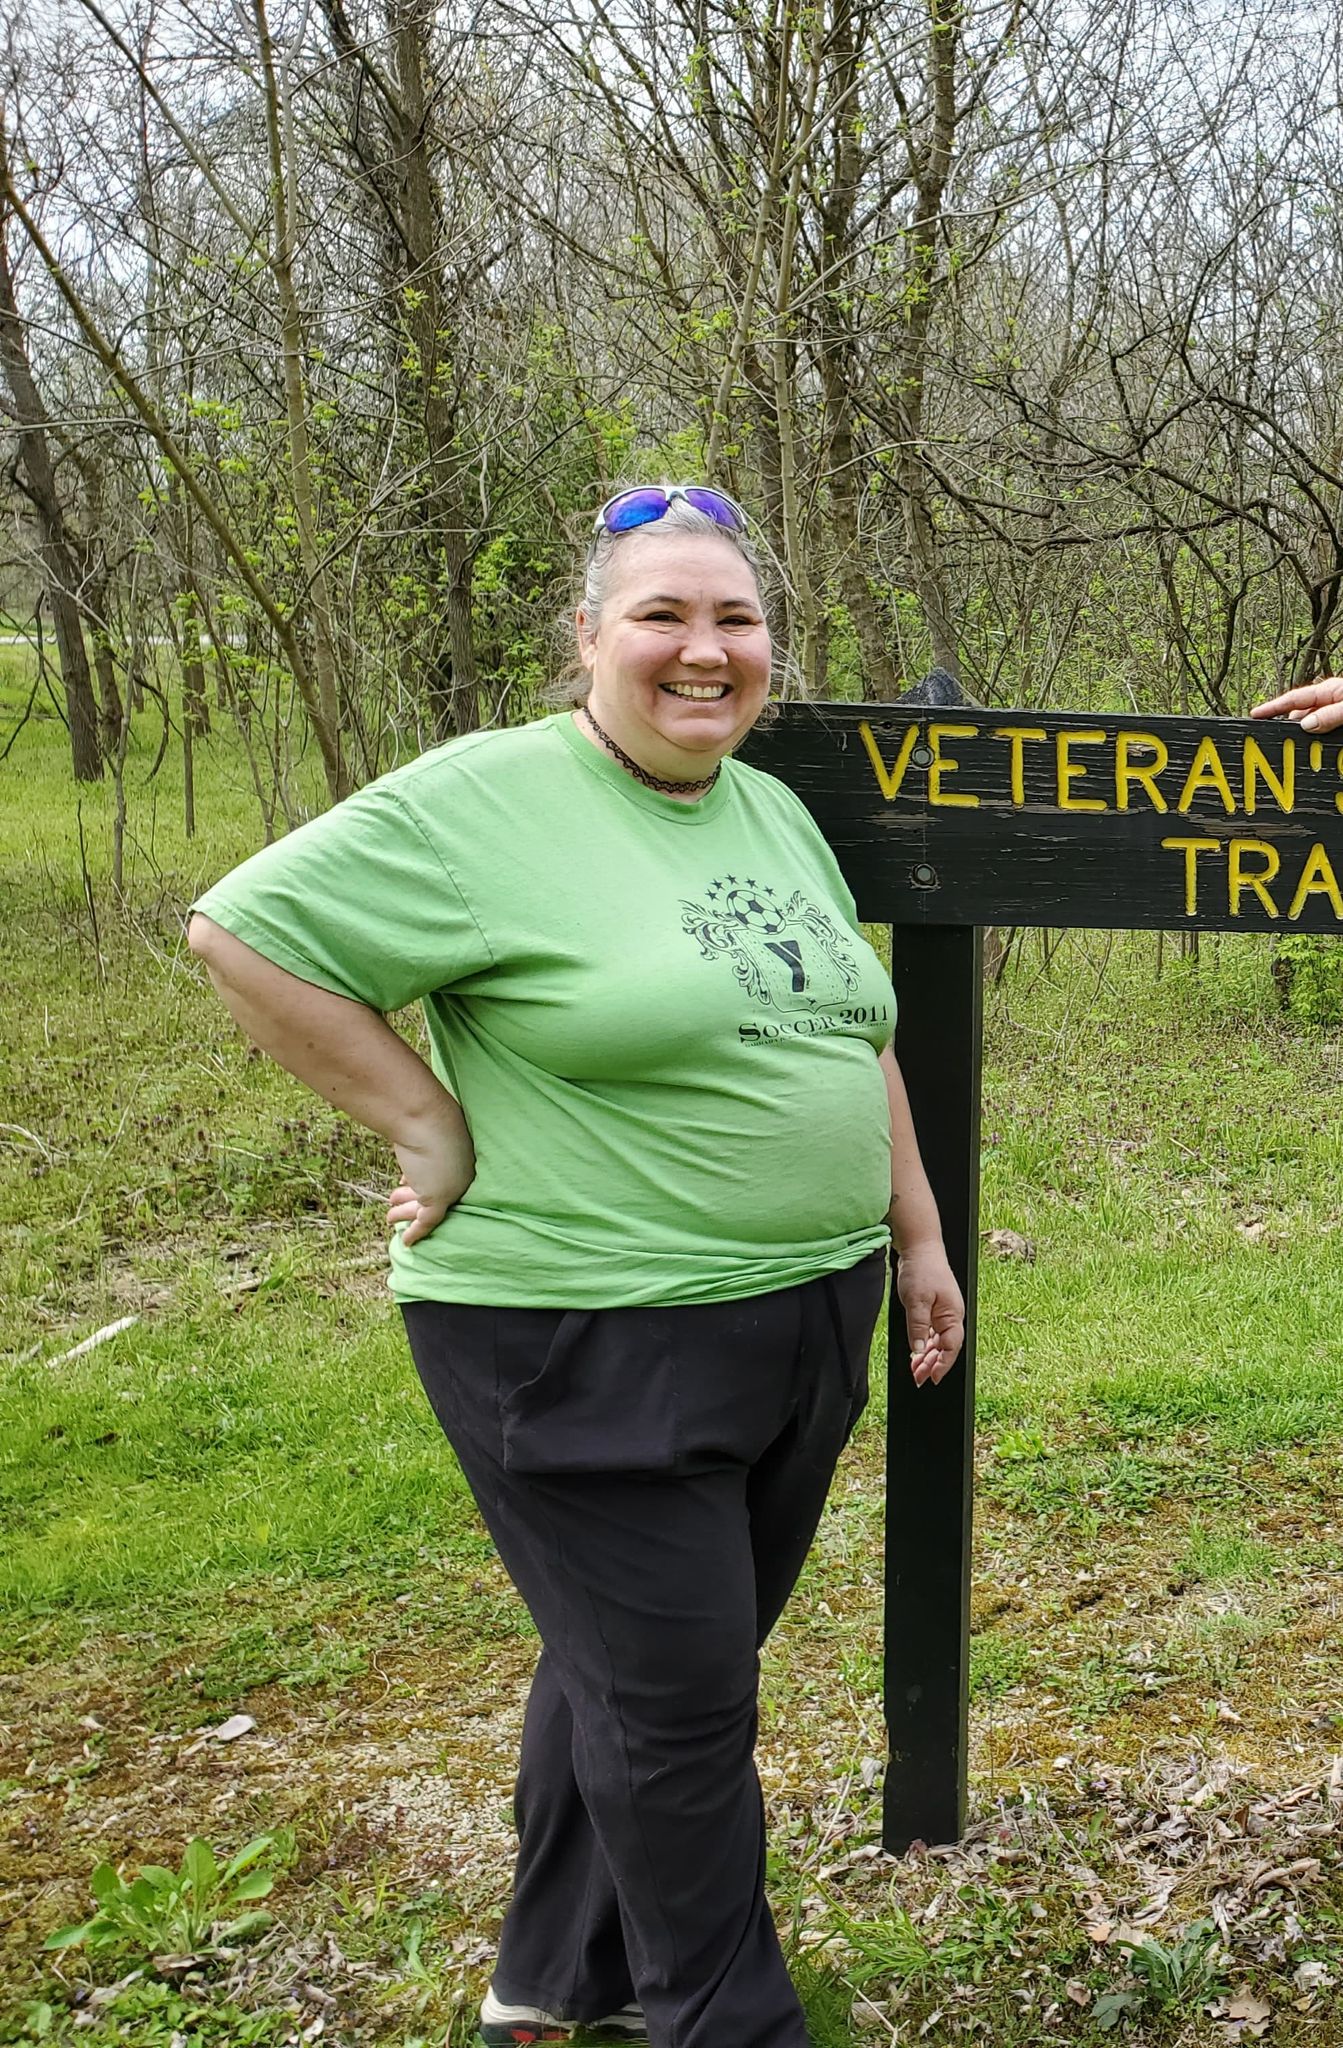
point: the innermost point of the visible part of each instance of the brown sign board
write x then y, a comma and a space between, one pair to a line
951, 814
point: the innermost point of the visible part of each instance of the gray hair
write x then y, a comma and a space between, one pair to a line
594, 588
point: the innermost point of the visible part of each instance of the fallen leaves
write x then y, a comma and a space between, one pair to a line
230, 1730
227, 1731
1284, 1875
1243, 2018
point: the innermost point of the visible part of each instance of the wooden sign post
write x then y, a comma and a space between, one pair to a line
946, 817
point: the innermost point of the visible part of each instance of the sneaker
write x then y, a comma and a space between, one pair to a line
516, 2026
503, 2026
627, 2026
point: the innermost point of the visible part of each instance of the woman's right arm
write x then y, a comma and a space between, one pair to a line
352, 1057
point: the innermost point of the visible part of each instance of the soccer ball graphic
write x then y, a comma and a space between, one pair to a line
754, 908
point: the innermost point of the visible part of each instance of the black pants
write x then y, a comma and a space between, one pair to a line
652, 1478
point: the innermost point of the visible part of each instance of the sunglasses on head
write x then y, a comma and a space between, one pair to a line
647, 502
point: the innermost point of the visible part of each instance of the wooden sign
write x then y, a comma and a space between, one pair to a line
946, 817
953, 815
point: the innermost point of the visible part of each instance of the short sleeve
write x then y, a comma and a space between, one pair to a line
359, 901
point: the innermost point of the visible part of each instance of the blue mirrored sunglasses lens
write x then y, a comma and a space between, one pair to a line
715, 505
636, 508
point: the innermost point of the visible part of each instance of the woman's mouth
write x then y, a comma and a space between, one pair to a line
697, 693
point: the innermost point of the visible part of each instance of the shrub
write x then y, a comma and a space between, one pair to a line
1308, 972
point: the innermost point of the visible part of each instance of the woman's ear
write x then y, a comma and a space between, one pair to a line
586, 634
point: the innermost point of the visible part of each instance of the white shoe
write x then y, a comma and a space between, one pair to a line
514, 2026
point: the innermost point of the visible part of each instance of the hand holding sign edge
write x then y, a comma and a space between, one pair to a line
1316, 707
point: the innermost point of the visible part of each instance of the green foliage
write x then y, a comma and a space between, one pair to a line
1021, 1447
1172, 1979
1225, 1553
997, 1663
1178, 1976
827, 2001
896, 1951
1309, 973
1113, 2006
187, 1912
1163, 1141
151, 2013
890, 1950
844, 668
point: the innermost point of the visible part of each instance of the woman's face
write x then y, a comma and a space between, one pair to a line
680, 660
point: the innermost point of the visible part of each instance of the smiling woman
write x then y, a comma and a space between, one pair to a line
648, 1181
673, 638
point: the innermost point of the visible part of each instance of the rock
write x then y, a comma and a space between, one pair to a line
1010, 1244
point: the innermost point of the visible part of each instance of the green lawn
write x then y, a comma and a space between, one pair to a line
239, 1503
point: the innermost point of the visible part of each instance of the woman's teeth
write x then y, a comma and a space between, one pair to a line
698, 693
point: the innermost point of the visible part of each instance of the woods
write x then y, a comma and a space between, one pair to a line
322, 330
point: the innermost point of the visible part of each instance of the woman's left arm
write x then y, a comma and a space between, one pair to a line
925, 1283
1317, 706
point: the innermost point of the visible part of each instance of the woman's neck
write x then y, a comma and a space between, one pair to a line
681, 789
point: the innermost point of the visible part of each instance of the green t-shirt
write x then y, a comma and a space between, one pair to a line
661, 1019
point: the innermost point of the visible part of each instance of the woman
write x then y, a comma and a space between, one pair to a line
640, 1232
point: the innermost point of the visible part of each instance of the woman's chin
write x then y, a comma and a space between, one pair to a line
700, 728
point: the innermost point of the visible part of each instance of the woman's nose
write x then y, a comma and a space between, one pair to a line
703, 648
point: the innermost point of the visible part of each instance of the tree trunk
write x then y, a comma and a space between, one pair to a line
838, 357
59, 564
109, 695
389, 122
283, 200
430, 320
921, 286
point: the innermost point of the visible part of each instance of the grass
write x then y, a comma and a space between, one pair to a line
240, 1503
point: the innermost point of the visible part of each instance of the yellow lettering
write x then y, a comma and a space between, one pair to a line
1207, 772
1257, 763
1316, 755
1338, 769
1127, 771
1317, 879
1191, 849
1017, 736
1239, 879
942, 764
1070, 771
890, 778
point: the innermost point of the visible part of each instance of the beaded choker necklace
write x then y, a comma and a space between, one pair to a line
699, 788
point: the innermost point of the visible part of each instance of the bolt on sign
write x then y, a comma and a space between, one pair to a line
963, 816
945, 818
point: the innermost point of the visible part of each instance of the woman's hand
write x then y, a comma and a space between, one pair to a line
934, 1311
438, 1165
924, 1281
352, 1057
1316, 707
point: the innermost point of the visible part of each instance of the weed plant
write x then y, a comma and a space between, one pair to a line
178, 1914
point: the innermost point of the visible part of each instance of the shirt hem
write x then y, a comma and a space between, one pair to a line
478, 1291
